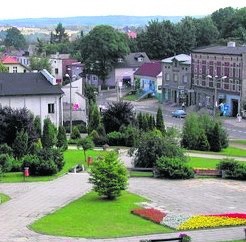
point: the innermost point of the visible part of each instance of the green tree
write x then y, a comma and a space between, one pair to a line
75, 133
85, 144
152, 145
15, 38
37, 125
158, 39
215, 140
186, 30
48, 138
102, 47
60, 35
94, 118
159, 121
40, 63
203, 143
3, 68
206, 32
20, 145
117, 114
5, 163
62, 138
108, 176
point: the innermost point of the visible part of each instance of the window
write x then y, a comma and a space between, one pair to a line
167, 77
185, 79
51, 108
14, 69
56, 70
140, 59
120, 60
175, 77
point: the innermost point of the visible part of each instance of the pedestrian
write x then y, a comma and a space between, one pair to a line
239, 117
183, 105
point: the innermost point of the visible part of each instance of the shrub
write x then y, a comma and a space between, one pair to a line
46, 168
49, 134
5, 149
173, 167
52, 154
16, 165
108, 176
233, 169
116, 138
75, 133
153, 145
31, 161
20, 144
98, 139
5, 163
85, 144
62, 138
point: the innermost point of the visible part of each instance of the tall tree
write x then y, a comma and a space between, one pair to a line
60, 35
186, 31
62, 138
15, 38
159, 121
49, 134
158, 40
206, 32
101, 48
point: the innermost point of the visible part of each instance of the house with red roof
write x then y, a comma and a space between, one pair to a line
149, 76
13, 65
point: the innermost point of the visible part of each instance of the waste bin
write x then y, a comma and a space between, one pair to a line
26, 171
89, 160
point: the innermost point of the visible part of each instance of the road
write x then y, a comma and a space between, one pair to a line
235, 130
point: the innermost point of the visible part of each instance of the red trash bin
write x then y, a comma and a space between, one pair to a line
26, 171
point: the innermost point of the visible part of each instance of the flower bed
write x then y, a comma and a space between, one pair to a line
208, 221
150, 213
186, 222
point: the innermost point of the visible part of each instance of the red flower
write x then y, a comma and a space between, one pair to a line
231, 215
152, 214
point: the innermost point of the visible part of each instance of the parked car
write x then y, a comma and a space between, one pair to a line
179, 113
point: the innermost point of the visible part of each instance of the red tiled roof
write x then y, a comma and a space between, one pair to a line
9, 60
152, 69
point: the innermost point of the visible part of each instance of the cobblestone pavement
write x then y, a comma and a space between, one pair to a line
31, 201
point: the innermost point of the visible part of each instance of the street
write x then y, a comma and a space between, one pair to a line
235, 129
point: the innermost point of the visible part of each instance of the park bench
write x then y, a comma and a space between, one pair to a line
77, 168
207, 172
160, 240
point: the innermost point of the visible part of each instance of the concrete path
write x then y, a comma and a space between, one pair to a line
211, 156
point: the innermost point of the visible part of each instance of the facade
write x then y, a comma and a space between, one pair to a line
60, 64
78, 102
13, 65
35, 91
150, 77
123, 70
219, 77
176, 79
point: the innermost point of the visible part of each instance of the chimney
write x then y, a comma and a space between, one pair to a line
231, 44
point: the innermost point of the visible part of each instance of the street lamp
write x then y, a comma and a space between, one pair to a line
70, 102
215, 79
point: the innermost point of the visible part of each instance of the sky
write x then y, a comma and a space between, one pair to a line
60, 8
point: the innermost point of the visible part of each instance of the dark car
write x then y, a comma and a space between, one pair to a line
179, 113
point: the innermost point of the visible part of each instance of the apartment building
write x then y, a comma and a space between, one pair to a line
219, 77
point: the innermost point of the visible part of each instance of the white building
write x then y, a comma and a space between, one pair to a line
37, 92
78, 101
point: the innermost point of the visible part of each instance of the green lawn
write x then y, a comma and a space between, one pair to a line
141, 174
132, 97
229, 151
239, 141
93, 217
71, 157
198, 162
3, 198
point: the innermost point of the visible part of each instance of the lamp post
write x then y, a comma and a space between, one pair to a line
215, 79
70, 103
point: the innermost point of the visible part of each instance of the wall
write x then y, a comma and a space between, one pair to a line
38, 105
20, 68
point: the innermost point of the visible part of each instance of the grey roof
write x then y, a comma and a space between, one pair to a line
19, 84
237, 50
185, 59
131, 60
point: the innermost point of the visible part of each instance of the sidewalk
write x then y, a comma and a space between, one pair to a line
234, 122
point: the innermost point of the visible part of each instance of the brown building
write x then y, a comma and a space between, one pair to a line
219, 77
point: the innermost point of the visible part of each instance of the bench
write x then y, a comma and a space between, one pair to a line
77, 168
207, 172
160, 240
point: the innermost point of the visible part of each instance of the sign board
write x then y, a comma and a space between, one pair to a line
181, 87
